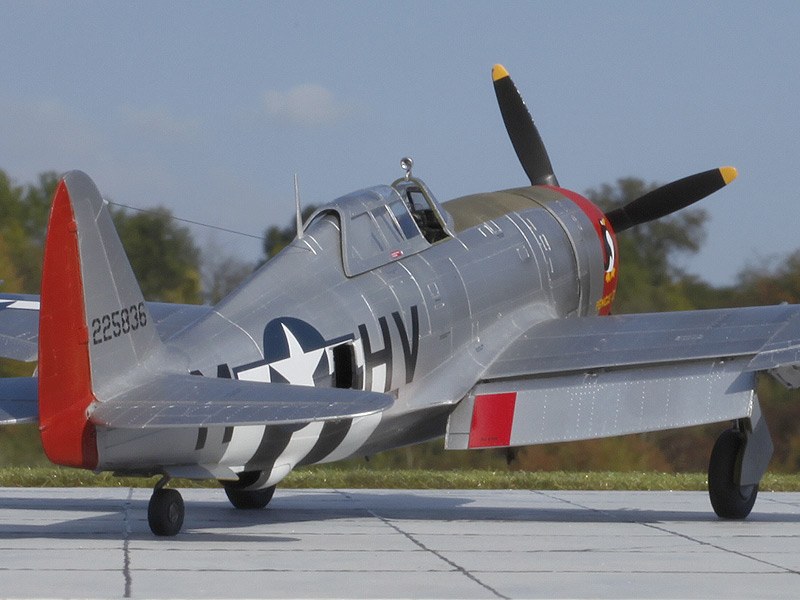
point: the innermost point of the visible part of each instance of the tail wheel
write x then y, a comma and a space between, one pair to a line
165, 512
249, 499
729, 499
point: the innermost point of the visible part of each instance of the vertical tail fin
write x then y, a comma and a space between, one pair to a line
94, 328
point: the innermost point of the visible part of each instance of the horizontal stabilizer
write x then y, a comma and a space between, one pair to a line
17, 349
19, 324
195, 401
18, 400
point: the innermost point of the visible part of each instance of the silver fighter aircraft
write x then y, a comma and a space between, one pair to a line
391, 319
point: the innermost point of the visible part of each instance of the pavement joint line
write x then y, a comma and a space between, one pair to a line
721, 548
684, 536
552, 496
126, 545
773, 500
285, 550
438, 555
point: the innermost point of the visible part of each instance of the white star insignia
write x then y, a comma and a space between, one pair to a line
299, 367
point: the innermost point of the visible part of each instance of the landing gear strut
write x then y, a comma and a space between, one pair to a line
166, 510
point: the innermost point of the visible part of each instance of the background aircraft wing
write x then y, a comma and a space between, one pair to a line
582, 378
175, 400
19, 323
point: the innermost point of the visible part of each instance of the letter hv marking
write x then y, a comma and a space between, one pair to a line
377, 358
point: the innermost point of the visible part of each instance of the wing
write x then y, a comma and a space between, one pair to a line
590, 343
590, 377
19, 323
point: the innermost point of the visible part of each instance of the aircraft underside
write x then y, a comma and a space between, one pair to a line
225, 452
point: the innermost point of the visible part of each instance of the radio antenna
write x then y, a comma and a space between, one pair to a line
298, 212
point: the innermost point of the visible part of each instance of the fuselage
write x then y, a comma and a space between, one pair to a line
368, 299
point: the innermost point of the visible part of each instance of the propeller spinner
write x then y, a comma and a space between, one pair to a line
533, 156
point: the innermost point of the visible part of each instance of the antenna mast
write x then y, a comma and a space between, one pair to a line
298, 212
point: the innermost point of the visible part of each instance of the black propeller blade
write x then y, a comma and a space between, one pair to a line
532, 155
669, 198
524, 136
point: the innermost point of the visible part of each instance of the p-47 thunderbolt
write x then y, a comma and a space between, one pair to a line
391, 319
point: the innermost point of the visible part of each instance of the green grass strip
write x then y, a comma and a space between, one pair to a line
327, 477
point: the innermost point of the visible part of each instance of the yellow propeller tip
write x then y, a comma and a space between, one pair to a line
498, 72
728, 174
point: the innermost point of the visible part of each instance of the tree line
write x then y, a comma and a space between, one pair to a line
171, 267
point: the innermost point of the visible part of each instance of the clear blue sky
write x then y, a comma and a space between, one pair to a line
209, 108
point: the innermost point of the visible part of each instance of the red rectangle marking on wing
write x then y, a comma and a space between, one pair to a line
492, 417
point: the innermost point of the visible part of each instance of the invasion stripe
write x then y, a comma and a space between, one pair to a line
332, 434
273, 443
202, 436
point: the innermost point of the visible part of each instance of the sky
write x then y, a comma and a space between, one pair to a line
210, 108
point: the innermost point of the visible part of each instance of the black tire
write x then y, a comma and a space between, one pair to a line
165, 512
249, 499
730, 501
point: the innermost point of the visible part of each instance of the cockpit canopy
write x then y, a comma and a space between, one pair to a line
385, 223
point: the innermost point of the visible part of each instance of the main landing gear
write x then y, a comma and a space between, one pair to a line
729, 499
738, 461
166, 510
247, 493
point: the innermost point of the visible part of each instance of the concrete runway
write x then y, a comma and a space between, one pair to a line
91, 543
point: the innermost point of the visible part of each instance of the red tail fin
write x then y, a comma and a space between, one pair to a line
65, 379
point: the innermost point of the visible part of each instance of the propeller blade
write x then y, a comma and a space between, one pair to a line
524, 136
670, 197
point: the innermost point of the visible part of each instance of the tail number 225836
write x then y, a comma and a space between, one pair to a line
120, 322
